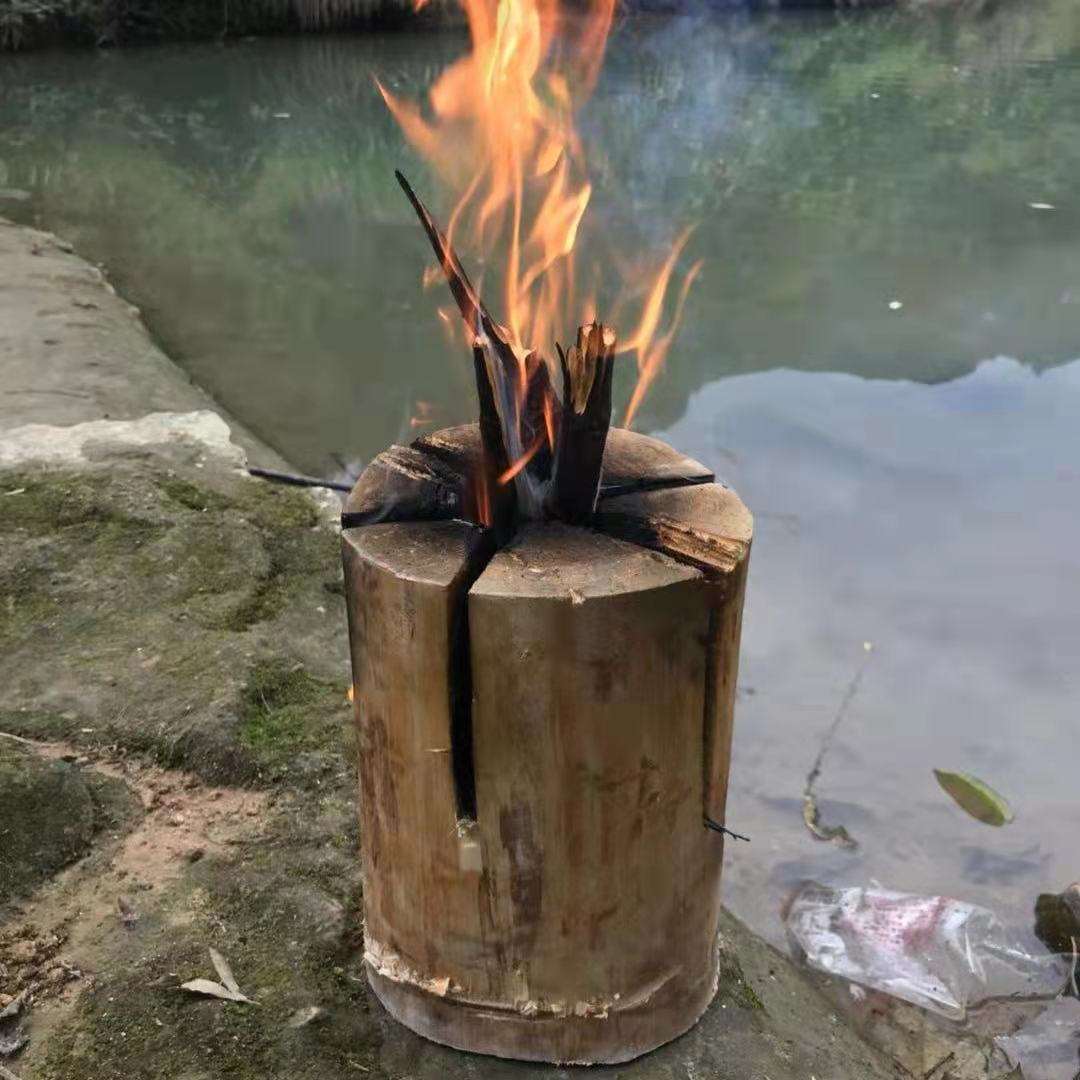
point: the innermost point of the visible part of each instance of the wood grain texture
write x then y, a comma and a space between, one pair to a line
601, 885
436, 476
634, 462
708, 527
420, 907
406, 484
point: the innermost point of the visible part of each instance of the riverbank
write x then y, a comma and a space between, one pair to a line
176, 748
28, 24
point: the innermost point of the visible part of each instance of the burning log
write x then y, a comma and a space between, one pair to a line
544, 730
544, 620
444, 475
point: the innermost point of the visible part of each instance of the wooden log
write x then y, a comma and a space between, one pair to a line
581, 927
541, 732
706, 526
445, 475
407, 585
406, 484
495, 504
634, 462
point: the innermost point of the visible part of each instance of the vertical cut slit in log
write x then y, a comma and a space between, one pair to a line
481, 549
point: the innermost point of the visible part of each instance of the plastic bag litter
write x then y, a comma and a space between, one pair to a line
1048, 1048
936, 952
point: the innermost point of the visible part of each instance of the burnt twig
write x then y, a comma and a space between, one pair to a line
587, 370
723, 829
296, 480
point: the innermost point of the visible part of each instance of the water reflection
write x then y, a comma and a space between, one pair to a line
244, 197
942, 524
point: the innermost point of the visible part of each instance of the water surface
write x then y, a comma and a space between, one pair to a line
880, 355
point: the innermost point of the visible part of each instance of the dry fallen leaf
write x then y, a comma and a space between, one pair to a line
221, 966
834, 834
209, 988
307, 1015
227, 989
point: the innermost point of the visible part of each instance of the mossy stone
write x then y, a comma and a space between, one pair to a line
47, 818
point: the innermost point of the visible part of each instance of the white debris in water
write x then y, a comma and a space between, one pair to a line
1042, 206
72, 445
895, 305
282, 116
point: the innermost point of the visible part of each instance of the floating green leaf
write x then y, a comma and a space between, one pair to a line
980, 800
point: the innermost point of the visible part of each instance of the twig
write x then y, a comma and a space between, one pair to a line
834, 833
295, 480
660, 483
934, 1068
723, 829
17, 738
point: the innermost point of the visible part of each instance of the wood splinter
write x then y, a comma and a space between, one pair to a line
587, 370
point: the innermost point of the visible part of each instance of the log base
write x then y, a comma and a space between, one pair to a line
619, 1036
543, 730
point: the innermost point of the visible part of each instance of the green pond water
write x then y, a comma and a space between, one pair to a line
881, 355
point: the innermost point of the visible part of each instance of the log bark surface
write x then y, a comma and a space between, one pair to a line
572, 915
419, 886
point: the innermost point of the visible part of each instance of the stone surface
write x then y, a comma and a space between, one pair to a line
71, 350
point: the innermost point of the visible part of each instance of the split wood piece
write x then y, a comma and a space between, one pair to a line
496, 503
587, 369
407, 584
578, 922
708, 527
496, 361
539, 420
406, 484
634, 462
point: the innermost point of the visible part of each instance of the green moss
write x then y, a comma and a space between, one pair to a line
41, 724
264, 910
24, 601
282, 522
134, 585
734, 989
193, 497
59, 501
284, 712
46, 818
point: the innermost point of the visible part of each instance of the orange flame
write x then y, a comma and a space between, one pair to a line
498, 127
507, 475
501, 135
